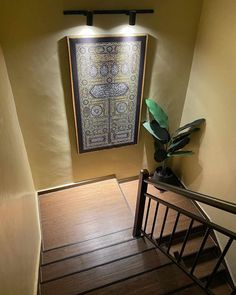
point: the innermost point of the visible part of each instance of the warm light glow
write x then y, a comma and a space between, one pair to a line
84, 31
87, 31
127, 30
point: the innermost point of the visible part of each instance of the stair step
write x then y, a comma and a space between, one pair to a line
204, 269
220, 285
222, 288
197, 230
193, 290
156, 282
93, 259
181, 228
204, 266
193, 245
106, 274
86, 246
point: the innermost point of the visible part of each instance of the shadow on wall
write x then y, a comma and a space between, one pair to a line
151, 54
148, 150
192, 163
99, 163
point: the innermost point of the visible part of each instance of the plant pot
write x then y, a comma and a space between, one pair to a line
166, 176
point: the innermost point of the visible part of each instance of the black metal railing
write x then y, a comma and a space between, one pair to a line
146, 224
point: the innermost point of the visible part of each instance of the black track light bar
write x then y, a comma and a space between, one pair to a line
89, 13
122, 11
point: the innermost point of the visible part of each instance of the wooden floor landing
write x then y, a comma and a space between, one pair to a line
81, 213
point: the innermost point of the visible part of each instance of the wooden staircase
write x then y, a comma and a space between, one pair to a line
114, 262
209, 257
118, 264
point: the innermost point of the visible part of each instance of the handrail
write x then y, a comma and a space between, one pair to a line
213, 225
214, 202
145, 225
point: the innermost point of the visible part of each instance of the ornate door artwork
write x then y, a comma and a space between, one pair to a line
107, 76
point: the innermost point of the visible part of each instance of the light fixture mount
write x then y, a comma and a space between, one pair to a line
90, 13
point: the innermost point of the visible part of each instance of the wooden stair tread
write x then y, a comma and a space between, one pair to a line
94, 258
197, 230
204, 268
106, 274
86, 246
157, 282
223, 288
193, 246
193, 290
181, 226
220, 285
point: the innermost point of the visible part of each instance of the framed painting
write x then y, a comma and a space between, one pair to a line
107, 77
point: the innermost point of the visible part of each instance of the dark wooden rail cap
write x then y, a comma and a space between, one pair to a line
214, 202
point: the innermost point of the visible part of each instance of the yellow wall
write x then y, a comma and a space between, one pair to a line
33, 38
212, 94
19, 226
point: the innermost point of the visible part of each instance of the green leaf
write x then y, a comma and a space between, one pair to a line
182, 135
178, 145
158, 145
180, 154
160, 155
176, 139
159, 133
159, 115
149, 129
191, 125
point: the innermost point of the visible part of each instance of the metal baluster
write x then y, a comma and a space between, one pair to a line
230, 241
163, 225
185, 240
200, 250
147, 213
233, 292
140, 204
173, 232
154, 219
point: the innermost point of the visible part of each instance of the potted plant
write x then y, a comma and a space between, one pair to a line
168, 145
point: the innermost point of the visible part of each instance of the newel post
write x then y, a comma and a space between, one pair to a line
140, 205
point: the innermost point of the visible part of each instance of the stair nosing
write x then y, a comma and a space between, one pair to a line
125, 279
75, 243
182, 288
91, 251
98, 265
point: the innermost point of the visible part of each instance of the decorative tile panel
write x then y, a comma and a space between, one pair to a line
107, 81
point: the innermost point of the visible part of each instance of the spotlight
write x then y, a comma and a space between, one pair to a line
89, 14
89, 18
132, 17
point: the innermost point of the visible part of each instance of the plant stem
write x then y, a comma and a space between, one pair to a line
164, 167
